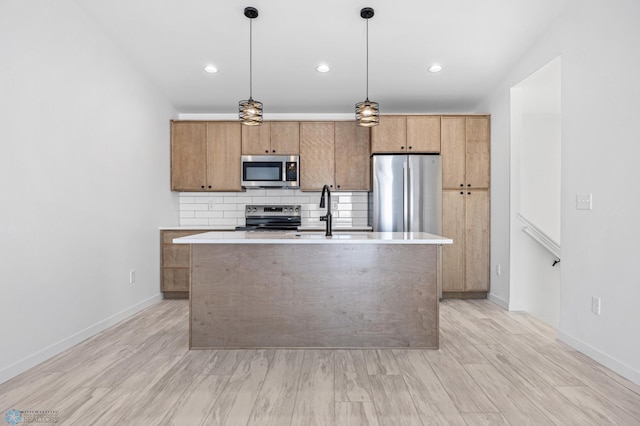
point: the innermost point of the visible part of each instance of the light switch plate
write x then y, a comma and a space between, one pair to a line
584, 202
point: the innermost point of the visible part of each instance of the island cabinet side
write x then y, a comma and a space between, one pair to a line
314, 295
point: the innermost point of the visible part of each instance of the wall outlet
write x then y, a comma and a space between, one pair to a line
595, 305
212, 205
498, 269
584, 202
132, 277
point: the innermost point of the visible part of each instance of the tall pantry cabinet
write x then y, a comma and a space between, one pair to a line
465, 205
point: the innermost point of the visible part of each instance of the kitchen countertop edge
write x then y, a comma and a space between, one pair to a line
291, 237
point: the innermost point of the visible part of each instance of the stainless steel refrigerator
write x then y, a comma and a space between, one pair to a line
407, 193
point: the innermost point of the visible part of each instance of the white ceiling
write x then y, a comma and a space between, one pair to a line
476, 42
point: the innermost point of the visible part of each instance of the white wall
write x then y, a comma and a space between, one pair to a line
84, 178
600, 128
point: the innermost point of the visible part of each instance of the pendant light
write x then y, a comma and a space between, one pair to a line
250, 111
367, 112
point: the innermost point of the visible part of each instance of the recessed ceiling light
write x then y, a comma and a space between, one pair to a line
211, 69
323, 68
435, 68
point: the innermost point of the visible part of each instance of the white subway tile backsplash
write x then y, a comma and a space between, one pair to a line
225, 207
360, 222
360, 206
233, 213
257, 192
225, 210
192, 222
238, 200
229, 222
266, 200
189, 206
208, 214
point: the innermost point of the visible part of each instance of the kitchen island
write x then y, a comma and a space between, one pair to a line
296, 289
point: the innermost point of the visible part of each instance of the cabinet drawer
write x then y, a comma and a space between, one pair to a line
175, 279
176, 255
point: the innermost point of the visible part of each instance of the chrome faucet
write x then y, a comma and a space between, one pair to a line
327, 217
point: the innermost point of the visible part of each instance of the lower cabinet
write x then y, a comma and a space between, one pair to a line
465, 263
175, 263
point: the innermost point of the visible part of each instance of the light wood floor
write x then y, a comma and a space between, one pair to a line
494, 367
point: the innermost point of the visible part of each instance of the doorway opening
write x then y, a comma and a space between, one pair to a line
535, 194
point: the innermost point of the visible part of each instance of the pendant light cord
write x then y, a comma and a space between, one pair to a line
367, 59
250, 58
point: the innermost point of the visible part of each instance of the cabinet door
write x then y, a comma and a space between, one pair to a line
285, 138
188, 156
352, 157
453, 152
423, 134
175, 279
453, 255
390, 135
256, 140
477, 241
224, 148
477, 152
316, 156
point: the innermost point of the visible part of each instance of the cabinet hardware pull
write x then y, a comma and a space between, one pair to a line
410, 147
469, 185
402, 147
266, 151
461, 185
469, 193
461, 192
202, 186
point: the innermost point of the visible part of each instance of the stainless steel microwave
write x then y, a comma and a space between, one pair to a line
273, 171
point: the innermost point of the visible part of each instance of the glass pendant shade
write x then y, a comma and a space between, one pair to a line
367, 113
250, 112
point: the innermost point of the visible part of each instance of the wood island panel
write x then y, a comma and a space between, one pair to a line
313, 295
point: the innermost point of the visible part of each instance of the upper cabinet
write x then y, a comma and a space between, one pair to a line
205, 156
271, 138
334, 154
465, 152
188, 156
317, 164
352, 154
406, 134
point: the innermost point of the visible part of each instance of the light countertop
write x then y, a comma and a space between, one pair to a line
303, 228
292, 237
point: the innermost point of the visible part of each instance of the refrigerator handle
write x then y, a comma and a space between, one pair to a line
405, 195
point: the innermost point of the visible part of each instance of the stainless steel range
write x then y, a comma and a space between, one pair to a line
271, 218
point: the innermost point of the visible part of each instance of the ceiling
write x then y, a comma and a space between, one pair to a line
476, 42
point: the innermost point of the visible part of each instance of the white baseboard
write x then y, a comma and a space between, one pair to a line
498, 301
32, 360
619, 367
